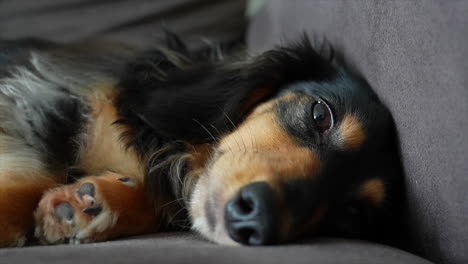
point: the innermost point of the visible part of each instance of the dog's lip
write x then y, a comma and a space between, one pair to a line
213, 209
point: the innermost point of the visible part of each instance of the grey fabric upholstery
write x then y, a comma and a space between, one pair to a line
184, 248
136, 21
415, 55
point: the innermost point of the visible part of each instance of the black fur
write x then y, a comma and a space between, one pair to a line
64, 126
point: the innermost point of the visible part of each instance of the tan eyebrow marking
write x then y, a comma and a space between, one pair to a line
352, 133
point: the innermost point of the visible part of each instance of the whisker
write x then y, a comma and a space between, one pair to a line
219, 136
229, 145
185, 224
206, 129
177, 213
217, 131
243, 142
233, 126
173, 201
254, 145
230, 120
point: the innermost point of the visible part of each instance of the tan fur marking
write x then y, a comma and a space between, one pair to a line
17, 202
23, 179
373, 190
135, 212
102, 90
257, 96
199, 156
264, 151
104, 148
351, 132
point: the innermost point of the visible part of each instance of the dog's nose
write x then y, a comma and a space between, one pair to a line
251, 217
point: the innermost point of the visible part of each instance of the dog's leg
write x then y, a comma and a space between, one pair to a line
96, 208
17, 203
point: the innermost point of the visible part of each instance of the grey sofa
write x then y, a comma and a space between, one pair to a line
415, 55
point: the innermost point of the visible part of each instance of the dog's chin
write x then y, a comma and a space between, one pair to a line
207, 215
219, 234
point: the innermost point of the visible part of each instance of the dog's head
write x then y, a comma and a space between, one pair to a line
279, 146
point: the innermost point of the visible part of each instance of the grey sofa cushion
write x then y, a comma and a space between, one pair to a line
415, 54
136, 21
186, 248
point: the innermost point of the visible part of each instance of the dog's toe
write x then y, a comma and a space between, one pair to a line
86, 188
64, 211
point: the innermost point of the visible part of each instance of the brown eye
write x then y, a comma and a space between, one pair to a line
322, 115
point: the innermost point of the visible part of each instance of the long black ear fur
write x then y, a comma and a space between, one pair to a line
188, 96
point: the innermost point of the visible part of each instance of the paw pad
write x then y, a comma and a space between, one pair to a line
64, 211
86, 188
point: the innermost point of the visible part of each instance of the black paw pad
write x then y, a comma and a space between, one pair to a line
93, 210
86, 188
64, 211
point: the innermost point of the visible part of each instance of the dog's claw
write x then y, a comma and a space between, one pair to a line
93, 210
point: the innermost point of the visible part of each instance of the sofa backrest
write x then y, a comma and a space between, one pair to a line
415, 54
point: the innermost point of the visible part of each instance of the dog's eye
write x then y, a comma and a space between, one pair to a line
323, 116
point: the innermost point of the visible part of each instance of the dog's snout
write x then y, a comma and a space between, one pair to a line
251, 216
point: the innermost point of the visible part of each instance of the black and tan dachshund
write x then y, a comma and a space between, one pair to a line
254, 150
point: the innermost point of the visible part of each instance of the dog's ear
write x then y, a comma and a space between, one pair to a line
185, 96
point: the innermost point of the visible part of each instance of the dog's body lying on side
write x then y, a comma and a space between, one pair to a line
259, 150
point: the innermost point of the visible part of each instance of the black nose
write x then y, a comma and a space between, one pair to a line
251, 217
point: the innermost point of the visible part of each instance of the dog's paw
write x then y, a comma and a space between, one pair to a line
94, 209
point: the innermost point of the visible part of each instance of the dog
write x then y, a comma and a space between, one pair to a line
99, 140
